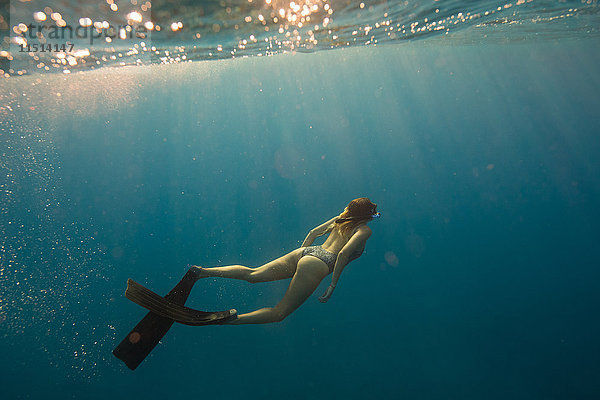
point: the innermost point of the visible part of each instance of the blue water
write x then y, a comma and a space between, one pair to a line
480, 280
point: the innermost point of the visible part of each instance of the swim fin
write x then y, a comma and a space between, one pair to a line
142, 339
168, 309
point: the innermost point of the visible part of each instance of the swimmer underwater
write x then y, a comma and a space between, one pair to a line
307, 266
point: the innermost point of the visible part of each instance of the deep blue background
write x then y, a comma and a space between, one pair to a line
480, 280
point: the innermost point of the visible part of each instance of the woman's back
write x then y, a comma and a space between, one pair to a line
336, 241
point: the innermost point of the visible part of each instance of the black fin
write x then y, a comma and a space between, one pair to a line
142, 339
168, 309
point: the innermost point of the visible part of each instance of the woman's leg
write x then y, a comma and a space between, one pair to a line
309, 274
282, 268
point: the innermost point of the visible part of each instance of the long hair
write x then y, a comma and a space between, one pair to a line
357, 212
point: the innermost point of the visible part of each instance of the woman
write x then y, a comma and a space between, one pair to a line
307, 265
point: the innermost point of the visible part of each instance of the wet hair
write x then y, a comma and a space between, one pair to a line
357, 212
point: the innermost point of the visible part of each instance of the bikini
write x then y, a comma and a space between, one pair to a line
328, 257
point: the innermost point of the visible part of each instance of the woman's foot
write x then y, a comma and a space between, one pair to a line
199, 271
232, 320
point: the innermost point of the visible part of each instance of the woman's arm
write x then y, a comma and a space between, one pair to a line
357, 241
319, 231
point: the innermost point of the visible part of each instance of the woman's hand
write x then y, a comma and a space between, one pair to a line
327, 294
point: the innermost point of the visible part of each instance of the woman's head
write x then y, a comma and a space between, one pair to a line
361, 207
357, 212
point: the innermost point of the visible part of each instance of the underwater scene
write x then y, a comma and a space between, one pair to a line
140, 138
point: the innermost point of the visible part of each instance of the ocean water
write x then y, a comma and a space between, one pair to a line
479, 142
